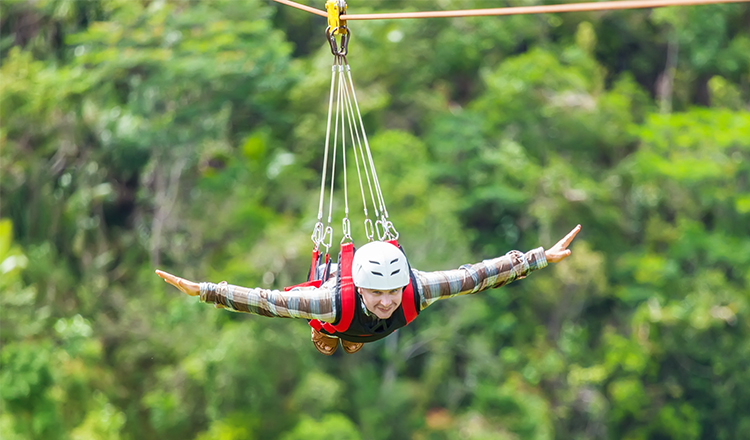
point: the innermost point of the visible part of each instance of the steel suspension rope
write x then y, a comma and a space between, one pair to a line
378, 200
335, 147
347, 103
347, 111
344, 97
358, 152
319, 232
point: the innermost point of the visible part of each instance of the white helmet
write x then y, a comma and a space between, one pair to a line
380, 266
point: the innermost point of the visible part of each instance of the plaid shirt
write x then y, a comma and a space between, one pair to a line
320, 303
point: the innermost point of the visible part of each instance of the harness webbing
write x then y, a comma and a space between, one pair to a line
407, 298
347, 289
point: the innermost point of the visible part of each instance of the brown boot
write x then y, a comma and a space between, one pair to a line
324, 343
351, 347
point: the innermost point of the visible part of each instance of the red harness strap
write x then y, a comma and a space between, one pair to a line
347, 293
311, 281
346, 288
407, 302
313, 264
407, 297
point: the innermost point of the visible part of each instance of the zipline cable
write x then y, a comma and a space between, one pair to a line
541, 9
303, 7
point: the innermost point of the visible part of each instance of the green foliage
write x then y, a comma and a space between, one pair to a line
331, 426
188, 136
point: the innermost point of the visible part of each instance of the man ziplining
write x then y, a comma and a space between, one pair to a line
383, 286
374, 291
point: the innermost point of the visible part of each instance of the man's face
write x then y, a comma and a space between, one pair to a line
381, 302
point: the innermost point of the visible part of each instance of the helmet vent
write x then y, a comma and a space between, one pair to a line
395, 272
394, 260
376, 273
377, 262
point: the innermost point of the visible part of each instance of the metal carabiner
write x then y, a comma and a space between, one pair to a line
317, 233
347, 229
392, 232
344, 45
369, 229
329, 234
381, 234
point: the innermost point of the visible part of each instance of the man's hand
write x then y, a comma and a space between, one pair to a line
560, 250
185, 286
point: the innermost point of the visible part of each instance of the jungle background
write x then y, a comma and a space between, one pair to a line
188, 136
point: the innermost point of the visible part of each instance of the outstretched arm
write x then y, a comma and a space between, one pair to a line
473, 278
306, 303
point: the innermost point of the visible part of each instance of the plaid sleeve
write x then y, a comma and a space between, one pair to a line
305, 302
473, 278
